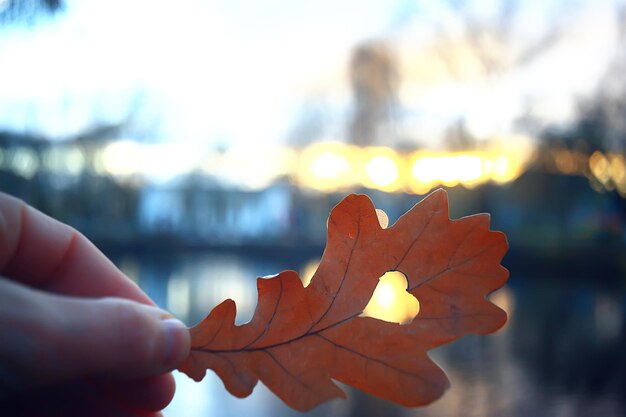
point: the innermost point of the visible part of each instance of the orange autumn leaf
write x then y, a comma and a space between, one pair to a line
301, 338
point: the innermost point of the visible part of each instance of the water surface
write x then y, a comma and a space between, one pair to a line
560, 354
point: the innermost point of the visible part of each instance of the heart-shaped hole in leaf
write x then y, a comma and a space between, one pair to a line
390, 301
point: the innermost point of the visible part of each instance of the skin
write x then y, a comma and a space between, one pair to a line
77, 336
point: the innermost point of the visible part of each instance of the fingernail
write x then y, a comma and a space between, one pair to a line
176, 341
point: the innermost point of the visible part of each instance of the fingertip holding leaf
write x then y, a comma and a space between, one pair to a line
301, 338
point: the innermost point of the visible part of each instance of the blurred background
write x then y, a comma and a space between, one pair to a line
202, 143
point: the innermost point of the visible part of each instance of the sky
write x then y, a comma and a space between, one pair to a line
239, 73
549, 86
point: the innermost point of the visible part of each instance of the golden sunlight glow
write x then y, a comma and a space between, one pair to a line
600, 167
609, 172
306, 274
566, 162
504, 298
382, 169
430, 169
618, 168
390, 300
502, 169
334, 167
383, 219
618, 173
327, 166
385, 295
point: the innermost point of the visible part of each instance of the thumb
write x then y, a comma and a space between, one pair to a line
117, 337
51, 338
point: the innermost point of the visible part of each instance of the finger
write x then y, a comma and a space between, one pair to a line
152, 393
73, 399
44, 253
51, 338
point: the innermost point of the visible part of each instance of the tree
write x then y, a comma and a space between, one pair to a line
27, 11
374, 80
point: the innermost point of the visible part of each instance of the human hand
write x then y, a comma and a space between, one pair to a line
77, 336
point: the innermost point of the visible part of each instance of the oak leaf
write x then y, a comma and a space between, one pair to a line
301, 338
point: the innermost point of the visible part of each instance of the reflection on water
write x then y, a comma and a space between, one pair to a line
561, 354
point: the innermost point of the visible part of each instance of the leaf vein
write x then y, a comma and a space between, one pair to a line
417, 238
269, 322
288, 372
343, 279
367, 358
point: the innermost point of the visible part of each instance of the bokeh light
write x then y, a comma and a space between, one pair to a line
390, 300
384, 169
